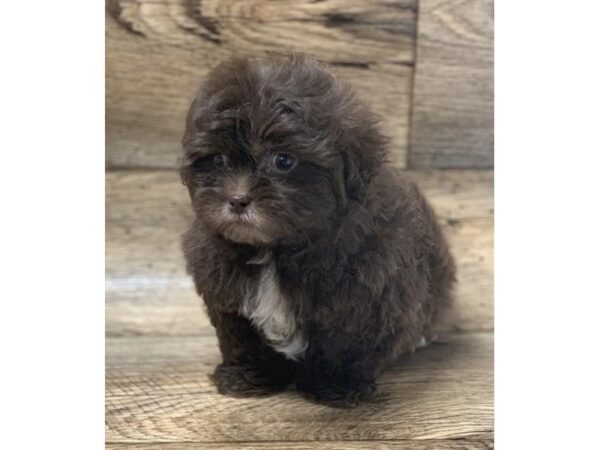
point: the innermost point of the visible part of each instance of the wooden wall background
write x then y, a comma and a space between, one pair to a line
425, 66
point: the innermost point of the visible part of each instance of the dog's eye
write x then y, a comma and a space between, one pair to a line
284, 162
219, 160
284, 109
210, 162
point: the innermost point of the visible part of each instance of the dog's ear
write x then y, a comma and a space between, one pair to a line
357, 172
198, 118
186, 160
362, 155
358, 142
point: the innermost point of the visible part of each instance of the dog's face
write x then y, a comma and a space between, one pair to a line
261, 195
258, 171
262, 151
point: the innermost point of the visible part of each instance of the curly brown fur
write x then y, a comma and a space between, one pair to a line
318, 267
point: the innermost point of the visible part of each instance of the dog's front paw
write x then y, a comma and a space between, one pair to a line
244, 381
334, 394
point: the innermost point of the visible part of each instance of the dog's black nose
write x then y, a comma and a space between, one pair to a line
239, 203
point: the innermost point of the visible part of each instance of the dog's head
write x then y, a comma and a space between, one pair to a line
276, 149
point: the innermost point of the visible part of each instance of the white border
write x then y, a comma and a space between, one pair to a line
52, 234
547, 227
52, 226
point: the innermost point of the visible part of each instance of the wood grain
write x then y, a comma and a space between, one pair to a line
148, 291
160, 347
452, 110
157, 390
159, 51
429, 444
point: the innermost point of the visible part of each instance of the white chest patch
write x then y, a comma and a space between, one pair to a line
271, 312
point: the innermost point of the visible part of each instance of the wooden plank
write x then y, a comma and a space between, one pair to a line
428, 444
168, 310
169, 306
158, 52
146, 214
157, 390
395, 13
452, 111
148, 291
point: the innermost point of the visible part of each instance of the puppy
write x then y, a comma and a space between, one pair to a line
317, 262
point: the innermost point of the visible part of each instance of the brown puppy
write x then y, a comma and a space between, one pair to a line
318, 263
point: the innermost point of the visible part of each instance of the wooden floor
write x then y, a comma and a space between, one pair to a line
160, 347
